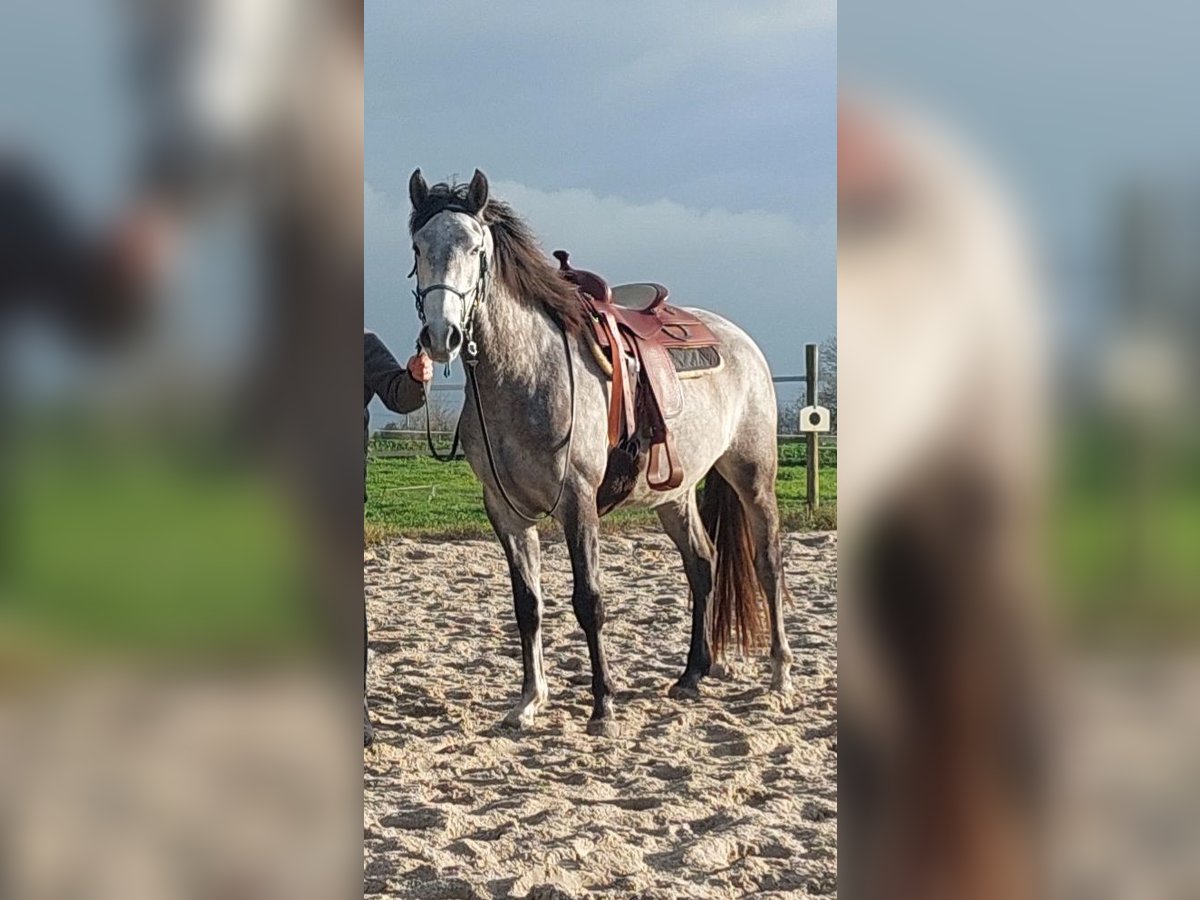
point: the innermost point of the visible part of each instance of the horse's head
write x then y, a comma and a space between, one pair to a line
453, 249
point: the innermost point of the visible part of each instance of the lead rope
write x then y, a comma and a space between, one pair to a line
469, 349
429, 432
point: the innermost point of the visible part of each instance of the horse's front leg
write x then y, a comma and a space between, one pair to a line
521, 547
581, 524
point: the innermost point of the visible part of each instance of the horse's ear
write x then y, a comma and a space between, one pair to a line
477, 192
418, 190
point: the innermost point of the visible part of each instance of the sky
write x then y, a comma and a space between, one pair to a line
687, 143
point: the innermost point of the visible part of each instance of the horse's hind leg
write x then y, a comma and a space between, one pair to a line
523, 551
755, 486
681, 521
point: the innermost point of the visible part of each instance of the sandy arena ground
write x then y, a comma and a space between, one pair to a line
731, 796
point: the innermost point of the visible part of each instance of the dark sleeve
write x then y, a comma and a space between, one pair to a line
388, 379
41, 250
52, 264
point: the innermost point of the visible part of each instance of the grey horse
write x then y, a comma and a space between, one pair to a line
487, 292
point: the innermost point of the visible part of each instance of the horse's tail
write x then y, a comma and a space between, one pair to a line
738, 607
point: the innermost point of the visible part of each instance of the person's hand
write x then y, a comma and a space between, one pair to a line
420, 367
143, 245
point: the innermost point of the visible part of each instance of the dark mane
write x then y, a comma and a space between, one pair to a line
520, 264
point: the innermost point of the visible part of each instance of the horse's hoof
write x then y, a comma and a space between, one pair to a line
781, 676
781, 684
606, 727
682, 690
519, 719
722, 671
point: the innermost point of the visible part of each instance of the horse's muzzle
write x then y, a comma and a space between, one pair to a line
442, 344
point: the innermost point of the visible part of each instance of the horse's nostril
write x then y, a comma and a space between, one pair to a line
423, 337
454, 338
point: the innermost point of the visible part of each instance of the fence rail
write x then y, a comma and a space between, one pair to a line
777, 379
815, 442
417, 435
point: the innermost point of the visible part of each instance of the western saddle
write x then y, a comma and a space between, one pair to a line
637, 329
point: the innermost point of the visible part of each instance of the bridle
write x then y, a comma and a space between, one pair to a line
478, 295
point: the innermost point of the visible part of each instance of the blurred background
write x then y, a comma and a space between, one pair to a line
181, 205
1019, 466
180, 467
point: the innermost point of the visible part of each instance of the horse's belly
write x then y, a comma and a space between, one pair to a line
625, 484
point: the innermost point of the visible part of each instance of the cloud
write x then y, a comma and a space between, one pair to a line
758, 42
770, 274
706, 102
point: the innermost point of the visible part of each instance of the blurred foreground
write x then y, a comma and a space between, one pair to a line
180, 467
1019, 482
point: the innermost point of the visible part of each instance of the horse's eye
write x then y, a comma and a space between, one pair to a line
474, 251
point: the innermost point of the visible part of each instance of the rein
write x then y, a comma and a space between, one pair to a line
470, 361
487, 443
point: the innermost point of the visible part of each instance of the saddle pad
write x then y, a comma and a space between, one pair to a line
686, 360
695, 359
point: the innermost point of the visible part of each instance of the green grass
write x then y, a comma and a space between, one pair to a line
1125, 546
418, 495
112, 548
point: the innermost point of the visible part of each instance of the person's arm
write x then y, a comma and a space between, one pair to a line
394, 384
96, 285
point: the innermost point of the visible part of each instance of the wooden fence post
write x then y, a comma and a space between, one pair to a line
811, 370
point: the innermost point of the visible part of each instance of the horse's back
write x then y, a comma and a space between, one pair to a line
743, 366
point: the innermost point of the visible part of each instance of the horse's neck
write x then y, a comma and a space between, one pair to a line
519, 346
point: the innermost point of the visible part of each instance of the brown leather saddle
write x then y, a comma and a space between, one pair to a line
637, 328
